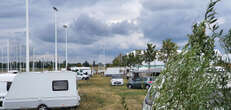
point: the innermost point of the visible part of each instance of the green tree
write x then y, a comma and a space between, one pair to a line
139, 58
190, 80
86, 64
169, 49
117, 61
131, 60
124, 60
79, 65
150, 54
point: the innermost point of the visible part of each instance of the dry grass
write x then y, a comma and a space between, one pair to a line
98, 94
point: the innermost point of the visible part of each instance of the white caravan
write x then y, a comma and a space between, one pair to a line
82, 76
83, 69
113, 71
42, 90
5, 82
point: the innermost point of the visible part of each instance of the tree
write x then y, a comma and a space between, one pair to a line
139, 58
94, 64
150, 54
169, 49
124, 60
79, 65
117, 61
190, 80
86, 64
131, 60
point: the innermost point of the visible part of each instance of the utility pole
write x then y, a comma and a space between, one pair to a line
27, 38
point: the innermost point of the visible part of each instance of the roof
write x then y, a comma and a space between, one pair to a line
7, 77
153, 70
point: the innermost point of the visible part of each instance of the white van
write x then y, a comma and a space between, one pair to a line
42, 90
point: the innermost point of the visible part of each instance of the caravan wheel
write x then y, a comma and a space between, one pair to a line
42, 107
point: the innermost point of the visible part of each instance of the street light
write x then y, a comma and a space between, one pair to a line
66, 28
56, 51
27, 38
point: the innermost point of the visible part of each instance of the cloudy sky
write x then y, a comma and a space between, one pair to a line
116, 26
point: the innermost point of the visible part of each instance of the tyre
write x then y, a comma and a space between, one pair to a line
42, 107
147, 86
129, 86
73, 108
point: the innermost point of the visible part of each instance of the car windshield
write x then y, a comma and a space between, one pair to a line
116, 77
148, 79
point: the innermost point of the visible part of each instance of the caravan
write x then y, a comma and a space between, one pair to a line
5, 83
42, 90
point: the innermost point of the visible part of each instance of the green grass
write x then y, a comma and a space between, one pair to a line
98, 94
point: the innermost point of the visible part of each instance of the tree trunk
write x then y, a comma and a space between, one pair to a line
149, 67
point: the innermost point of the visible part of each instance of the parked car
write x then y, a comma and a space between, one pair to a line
148, 81
42, 91
117, 80
145, 82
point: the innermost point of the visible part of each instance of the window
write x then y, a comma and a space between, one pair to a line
8, 85
60, 85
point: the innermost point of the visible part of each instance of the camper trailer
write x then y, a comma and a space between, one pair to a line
86, 70
113, 71
5, 83
42, 90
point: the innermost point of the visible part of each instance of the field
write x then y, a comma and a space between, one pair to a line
98, 94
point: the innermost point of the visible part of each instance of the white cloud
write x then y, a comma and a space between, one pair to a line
135, 40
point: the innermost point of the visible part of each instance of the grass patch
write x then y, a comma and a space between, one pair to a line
98, 94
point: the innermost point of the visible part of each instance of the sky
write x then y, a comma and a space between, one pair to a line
96, 27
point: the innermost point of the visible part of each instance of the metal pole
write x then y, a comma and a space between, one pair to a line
2, 59
33, 59
56, 51
66, 28
66, 50
19, 58
43, 63
8, 56
16, 57
27, 38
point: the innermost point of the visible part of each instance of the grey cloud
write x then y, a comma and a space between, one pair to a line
158, 20
87, 30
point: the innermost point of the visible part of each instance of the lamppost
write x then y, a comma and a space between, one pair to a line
27, 38
56, 51
66, 28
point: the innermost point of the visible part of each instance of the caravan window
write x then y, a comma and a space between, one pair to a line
8, 86
60, 85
